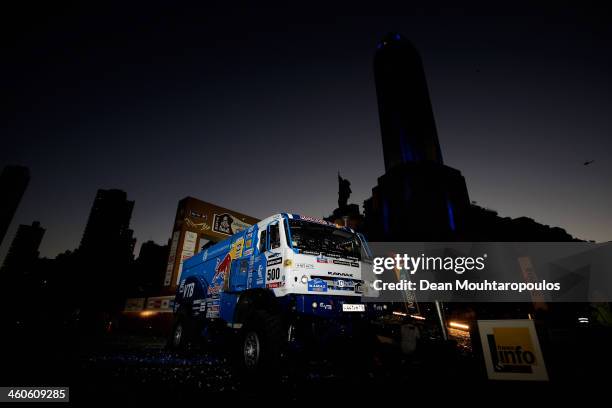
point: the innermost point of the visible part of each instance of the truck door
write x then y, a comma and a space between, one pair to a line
238, 275
274, 259
257, 277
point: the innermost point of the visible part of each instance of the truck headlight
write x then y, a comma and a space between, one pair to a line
304, 279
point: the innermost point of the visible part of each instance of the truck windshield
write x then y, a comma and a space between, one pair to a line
317, 239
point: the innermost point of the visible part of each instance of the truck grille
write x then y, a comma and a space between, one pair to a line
335, 283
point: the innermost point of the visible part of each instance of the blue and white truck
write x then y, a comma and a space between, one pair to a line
286, 281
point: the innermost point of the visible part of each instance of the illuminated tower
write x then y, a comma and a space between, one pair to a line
406, 119
418, 198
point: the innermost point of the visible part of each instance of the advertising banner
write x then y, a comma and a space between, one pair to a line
511, 350
171, 257
189, 244
134, 304
160, 304
227, 224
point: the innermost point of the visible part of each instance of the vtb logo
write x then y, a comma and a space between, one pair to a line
511, 350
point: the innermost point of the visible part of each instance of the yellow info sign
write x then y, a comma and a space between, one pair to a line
512, 350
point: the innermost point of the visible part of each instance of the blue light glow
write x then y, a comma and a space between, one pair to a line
407, 154
451, 215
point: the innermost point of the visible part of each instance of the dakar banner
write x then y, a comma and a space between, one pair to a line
228, 224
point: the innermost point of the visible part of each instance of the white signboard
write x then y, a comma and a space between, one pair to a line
160, 303
171, 258
189, 244
134, 304
512, 350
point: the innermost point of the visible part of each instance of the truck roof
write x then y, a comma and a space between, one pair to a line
225, 244
318, 221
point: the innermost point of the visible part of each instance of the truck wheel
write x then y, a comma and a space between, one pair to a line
261, 343
181, 334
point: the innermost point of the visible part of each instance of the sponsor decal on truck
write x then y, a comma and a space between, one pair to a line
317, 285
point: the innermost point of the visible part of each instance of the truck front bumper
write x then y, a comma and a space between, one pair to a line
326, 306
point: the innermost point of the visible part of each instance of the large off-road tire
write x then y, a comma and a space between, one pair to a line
181, 336
261, 344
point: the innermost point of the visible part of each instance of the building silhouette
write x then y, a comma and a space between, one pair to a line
418, 198
23, 252
108, 232
421, 199
406, 118
13, 183
149, 269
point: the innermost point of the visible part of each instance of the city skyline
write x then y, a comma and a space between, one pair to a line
519, 119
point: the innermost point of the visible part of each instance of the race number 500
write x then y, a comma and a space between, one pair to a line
273, 274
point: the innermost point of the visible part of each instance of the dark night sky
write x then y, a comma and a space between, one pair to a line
256, 109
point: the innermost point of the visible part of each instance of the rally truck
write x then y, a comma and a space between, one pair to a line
288, 281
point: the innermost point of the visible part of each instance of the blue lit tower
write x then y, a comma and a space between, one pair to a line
406, 119
418, 198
